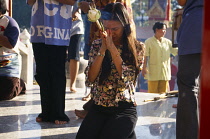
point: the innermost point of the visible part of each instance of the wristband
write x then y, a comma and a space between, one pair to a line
99, 54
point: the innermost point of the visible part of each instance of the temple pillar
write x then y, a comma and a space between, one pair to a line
205, 76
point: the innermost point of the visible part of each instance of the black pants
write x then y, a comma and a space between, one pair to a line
87, 106
109, 123
50, 75
187, 108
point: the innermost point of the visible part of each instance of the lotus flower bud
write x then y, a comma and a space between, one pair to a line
93, 15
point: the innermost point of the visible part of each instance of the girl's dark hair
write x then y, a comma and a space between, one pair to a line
3, 6
116, 11
158, 25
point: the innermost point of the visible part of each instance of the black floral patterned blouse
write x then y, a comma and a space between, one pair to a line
116, 87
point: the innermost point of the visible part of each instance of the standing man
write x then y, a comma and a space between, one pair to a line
157, 66
189, 38
50, 35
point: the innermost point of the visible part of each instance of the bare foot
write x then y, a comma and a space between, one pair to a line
72, 90
81, 113
174, 106
57, 122
38, 119
86, 98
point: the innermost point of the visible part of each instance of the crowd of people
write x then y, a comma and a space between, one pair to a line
115, 59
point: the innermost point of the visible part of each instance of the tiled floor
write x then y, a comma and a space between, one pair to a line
156, 120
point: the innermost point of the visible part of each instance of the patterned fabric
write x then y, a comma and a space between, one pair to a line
116, 87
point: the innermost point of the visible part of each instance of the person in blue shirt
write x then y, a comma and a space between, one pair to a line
50, 35
10, 66
189, 38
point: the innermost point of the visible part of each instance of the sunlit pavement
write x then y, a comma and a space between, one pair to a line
156, 119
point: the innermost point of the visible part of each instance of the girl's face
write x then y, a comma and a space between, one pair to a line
116, 29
